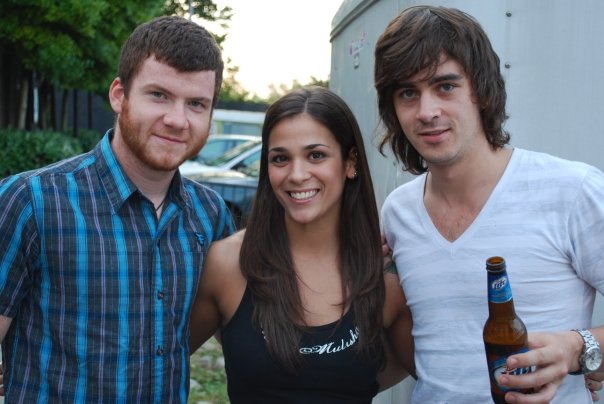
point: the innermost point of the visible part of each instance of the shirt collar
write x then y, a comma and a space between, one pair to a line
117, 184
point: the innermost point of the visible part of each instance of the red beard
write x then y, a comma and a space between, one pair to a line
138, 143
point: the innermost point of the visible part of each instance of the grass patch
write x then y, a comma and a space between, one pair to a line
208, 379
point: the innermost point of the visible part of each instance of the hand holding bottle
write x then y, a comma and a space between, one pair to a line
553, 355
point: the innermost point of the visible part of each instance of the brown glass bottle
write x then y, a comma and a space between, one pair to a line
504, 333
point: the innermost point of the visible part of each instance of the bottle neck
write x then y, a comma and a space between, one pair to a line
501, 303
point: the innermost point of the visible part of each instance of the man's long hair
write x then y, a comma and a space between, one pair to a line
412, 43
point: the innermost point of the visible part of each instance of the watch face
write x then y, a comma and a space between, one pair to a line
593, 359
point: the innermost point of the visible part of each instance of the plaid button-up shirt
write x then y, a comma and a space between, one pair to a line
98, 288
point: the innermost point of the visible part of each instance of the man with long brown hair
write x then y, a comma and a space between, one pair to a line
442, 99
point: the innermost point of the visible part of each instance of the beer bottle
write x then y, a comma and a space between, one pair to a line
504, 333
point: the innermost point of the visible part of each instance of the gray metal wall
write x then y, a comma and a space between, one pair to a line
552, 55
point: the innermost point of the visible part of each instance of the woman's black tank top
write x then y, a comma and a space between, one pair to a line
332, 371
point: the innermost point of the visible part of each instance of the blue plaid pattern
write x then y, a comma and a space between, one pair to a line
99, 289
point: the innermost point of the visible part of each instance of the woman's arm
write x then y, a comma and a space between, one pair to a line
205, 318
220, 290
398, 323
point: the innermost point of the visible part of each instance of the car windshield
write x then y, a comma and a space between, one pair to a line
231, 154
251, 165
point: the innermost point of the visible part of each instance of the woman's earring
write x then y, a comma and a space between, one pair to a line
355, 175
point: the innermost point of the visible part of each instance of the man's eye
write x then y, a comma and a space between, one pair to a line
447, 87
406, 94
197, 104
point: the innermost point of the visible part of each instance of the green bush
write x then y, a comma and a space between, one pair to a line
22, 150
88, 138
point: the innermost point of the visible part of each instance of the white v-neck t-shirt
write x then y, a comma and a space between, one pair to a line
546, 218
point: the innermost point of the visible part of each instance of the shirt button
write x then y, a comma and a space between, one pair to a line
160, 351
160, 294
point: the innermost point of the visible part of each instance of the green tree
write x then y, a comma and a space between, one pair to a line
232, 90
278, 90
204, 9
69, 44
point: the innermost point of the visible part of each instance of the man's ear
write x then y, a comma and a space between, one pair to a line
116, 95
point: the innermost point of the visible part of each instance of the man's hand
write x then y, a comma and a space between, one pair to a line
552, 355
593, 381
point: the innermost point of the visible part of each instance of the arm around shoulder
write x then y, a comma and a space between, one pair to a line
218, 289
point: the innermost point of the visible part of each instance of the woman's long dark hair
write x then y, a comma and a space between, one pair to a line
265, 257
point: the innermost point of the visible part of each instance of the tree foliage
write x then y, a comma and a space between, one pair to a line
72, 44
276, 91
232, 91
75, 44
203, 9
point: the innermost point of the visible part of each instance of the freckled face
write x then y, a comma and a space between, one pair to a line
306, 170
166, 117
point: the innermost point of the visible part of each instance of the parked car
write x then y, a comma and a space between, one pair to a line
233, 158
237, 186
218, 144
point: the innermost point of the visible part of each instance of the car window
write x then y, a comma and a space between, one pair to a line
232, 153
214, 148
250, 165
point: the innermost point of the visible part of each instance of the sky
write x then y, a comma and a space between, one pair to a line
278, 41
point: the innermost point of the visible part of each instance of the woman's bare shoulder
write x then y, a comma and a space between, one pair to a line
226, 249
222, 274
223, 258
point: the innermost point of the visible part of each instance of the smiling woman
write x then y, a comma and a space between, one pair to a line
300, 311
307, 171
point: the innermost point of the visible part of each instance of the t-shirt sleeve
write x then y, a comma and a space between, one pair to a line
586, 229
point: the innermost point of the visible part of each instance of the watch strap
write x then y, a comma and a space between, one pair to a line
588, 342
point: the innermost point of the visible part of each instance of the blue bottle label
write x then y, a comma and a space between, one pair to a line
499, 368
499, 288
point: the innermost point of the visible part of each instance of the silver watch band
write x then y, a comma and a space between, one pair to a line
588, 342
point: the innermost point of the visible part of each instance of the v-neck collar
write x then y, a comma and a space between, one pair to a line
483, 215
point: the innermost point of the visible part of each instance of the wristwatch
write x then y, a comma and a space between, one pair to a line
591, 357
